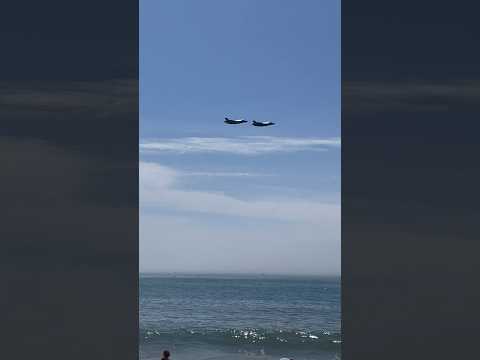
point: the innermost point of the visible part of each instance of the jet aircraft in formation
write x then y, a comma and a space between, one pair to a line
254, 123
262, 123
233, 122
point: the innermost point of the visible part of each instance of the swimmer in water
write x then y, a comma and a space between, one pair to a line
166, 355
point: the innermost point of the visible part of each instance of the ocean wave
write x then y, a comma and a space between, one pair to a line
227, 337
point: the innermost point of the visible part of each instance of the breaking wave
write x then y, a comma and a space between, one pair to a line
321, 340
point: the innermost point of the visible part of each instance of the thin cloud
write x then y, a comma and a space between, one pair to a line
158, 188
246, 145
100, 98
223, 174
411, 96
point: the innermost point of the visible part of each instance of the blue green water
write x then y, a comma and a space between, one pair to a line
239, 317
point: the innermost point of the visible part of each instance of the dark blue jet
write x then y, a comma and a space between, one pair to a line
262, 123
234, 122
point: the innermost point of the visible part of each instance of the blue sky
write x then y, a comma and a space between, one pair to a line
240, 198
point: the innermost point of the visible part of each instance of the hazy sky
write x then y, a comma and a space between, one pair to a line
237, 198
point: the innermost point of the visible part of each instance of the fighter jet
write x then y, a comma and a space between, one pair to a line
233, 122
262, 123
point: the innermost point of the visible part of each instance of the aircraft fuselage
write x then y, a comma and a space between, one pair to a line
266, 123
234, 122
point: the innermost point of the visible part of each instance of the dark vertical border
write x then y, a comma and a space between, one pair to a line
69, 190
410, 175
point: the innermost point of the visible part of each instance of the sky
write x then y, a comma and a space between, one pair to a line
237, 198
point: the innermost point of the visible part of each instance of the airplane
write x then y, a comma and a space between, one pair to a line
233, 122
262, 123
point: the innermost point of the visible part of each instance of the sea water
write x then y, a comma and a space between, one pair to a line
239, 317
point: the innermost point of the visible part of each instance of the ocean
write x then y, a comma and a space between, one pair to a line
239, 317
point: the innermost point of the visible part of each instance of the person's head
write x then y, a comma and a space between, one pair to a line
166, 354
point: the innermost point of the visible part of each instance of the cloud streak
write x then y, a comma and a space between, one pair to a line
411, 96
158, 189
246, 145
223, 174
104, 97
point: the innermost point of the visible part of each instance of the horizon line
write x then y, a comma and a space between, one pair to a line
201, 273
